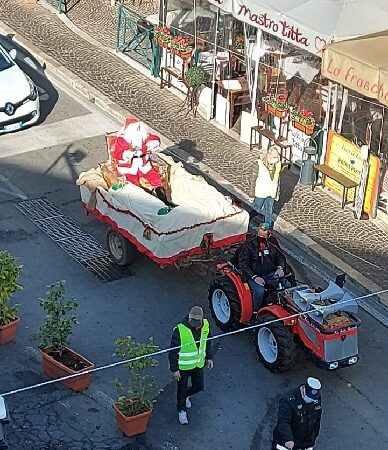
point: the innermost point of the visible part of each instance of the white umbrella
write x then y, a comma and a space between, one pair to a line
310, 24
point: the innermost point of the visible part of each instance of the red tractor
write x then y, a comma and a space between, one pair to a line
323, 323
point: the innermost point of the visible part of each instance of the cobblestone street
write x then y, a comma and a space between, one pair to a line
362, 244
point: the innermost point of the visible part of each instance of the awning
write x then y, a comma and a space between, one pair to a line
359, 64
311, 24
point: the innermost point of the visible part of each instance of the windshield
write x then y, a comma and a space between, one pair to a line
5, 61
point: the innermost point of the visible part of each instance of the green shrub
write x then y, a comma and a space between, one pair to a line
139, 391
58, 324
10, 271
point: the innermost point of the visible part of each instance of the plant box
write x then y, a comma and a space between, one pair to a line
306, 129
55, 369
275, 112
132, 425
185, 55
8, 332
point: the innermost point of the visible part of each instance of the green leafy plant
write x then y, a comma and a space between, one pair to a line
303, 116
181, 44
163, 34
10, 271
139, 391
58, 324
277, 102
195, 77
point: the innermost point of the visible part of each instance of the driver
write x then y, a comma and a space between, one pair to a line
261, 262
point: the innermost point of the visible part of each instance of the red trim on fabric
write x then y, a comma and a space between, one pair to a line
126, 211
171, 259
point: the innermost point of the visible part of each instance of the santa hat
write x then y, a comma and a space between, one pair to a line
153, 143
135, 132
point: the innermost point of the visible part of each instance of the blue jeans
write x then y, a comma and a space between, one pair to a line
257, 294
258, 290
265, 204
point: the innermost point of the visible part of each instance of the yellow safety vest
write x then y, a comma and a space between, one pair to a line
191, 356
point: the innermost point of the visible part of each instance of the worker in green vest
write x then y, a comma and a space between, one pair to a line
192, 352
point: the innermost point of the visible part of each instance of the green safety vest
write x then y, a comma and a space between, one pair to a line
190, 356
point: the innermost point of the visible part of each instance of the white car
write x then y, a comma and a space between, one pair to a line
19, 99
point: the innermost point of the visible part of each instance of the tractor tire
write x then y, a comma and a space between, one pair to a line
275, 344
120, 249
225, 304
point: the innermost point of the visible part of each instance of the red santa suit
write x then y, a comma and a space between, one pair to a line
132, 153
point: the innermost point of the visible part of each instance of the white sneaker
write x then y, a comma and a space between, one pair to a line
182, 416
188, 403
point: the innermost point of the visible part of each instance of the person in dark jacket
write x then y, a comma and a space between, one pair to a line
299, 418
265, 232
261, 263
187, 361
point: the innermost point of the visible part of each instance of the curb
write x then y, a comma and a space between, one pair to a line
294, 241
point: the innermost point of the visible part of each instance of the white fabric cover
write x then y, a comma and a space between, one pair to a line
202, 209
318, 22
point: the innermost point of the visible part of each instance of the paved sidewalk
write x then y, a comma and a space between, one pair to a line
362, 245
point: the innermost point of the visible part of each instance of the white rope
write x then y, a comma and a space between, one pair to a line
166, 350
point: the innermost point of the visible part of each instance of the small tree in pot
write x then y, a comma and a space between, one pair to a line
137, 395
53, 339
10, 271
195, 77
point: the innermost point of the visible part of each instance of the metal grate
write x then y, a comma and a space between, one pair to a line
72, 239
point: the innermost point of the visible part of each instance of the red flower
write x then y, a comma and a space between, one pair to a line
282, 98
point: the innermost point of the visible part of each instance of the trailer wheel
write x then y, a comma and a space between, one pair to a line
225, 304
121, 250
275, 345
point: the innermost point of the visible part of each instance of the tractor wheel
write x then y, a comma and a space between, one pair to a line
121, 250
275, 345
225, 304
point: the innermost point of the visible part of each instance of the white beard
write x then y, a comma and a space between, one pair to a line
136, 134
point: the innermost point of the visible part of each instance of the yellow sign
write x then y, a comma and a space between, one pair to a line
345, 157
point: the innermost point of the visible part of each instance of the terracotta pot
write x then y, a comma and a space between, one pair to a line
133, 425
275, 112
306, 129
8, 332
185, 55
54, 369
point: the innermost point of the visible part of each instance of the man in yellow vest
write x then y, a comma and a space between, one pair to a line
192, 353
267, 184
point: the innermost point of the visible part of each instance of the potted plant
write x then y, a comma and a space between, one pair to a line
162, 36
10, 271
180, 46
303, 120
276, 105
138, 393
53, 339
195, 77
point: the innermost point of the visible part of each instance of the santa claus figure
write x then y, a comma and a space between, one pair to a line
132, 153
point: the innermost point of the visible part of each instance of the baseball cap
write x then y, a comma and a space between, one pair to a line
264, 226
196, 313
313, 388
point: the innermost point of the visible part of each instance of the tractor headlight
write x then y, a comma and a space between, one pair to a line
352, 360
33, 90
333, 365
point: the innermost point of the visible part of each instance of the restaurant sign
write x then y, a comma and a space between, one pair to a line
345, 157
355, 75
274, 23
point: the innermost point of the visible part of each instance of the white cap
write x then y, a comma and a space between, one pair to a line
314, 383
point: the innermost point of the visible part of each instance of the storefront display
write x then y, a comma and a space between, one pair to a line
345, 157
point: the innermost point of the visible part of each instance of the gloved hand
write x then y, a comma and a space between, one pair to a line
279, 272
129, 154
137, 152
